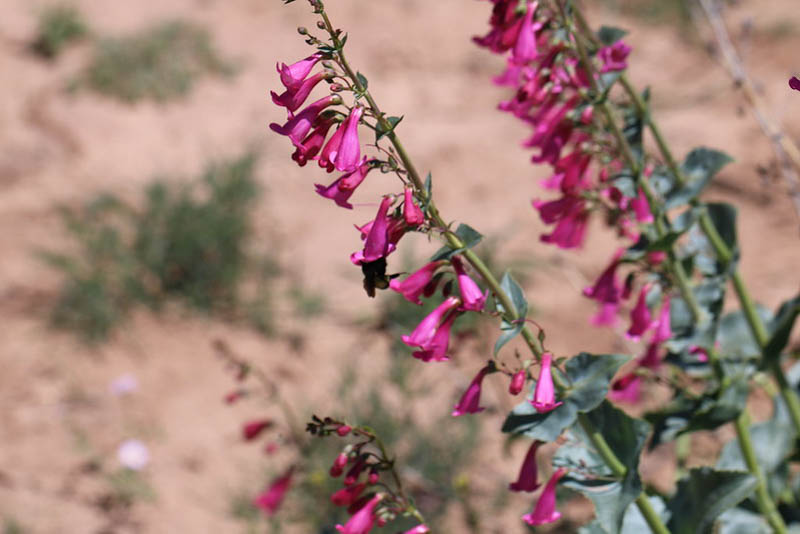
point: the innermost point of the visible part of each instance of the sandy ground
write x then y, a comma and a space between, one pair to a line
57, 148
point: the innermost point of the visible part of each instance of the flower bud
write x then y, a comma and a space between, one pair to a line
302, 30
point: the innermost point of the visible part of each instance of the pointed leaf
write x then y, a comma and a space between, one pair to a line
608, 35
781, 329
699, 167
703, 495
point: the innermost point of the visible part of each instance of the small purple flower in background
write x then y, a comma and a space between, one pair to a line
133, 454
794, 83
124, 385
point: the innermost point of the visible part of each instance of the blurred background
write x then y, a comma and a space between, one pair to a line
155, 230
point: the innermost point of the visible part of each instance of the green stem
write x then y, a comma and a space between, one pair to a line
619, 470
765, 504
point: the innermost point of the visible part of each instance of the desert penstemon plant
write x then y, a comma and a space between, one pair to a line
589, 124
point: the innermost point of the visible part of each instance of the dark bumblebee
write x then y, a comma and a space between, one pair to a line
375, 276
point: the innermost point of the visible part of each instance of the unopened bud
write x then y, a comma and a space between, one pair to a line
336, 87
320, 25
302, 30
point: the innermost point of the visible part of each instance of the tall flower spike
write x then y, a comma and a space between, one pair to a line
424, 333
271, 499
363, 520
472, 297
527, 479
294, 74
412, 287
545, 510
544, 396
470, 400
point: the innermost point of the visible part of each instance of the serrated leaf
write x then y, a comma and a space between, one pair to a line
608, 35
626, 437
780, 329
589, 376
703, 495
699, 167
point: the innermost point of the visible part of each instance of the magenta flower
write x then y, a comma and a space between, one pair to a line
328, 154
412, 214
525, 48
363, 520
627, 388
505, 25
347, 495
641, 208
471, 296
517, 382
652, 355
342, 189
606, 315
419, 529
424, 333
545, 510
544, 396
527, 479
348, 152
436, 349
377, 244
571, 216
794, 83
351, 477
663, 329
607, 288
699, 352
294, 97
613, 57
294, 74
338, 465
298, 126
412, 287
252, 429
270, 500
641, 319
309, 147
470, 400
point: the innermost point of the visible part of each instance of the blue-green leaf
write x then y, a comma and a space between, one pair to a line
699, 167
608, 35
517, 296
703, 495
781, 329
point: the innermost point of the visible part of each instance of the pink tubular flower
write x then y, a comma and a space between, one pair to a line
641, 208
613, 57
545, 510
411, 212
425, 331
544, 396
663, 329
295, 96
471, 296
412, 287
309, 147
347, 495
794, 83
298, 126
436, 349
527, 479
470, 400
346, 154
252, 429
270, 500
342, 189
338, 465
525, 48
517, 382
607, 288
699, 352
377, 244
641, 318
419, 529
363, 520
627, 388
571, 216
294, 74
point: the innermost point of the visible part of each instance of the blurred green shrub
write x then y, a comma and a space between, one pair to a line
160, 63
186, 242
58, 26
